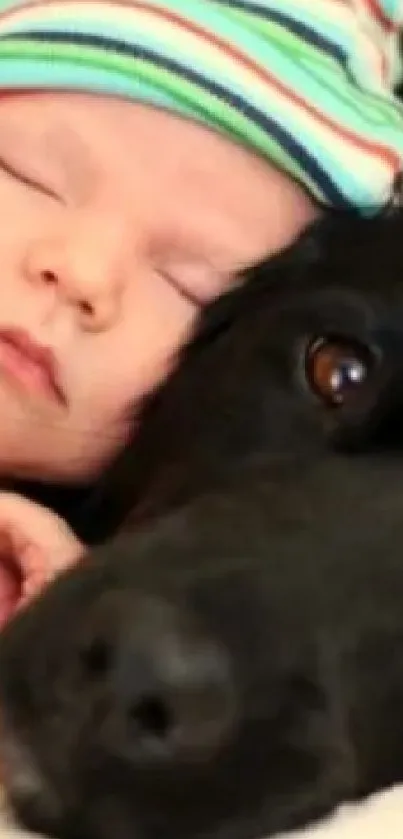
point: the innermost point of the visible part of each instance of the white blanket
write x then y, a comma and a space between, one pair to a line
381, 817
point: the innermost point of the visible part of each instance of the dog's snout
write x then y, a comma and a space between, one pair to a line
165, 685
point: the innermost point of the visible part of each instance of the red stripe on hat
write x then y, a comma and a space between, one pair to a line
378, 13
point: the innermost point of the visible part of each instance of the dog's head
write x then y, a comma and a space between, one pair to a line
304, 356
234, 667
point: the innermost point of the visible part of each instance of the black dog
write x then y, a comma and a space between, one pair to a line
232, 665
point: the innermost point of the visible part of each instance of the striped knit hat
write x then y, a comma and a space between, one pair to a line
306, 83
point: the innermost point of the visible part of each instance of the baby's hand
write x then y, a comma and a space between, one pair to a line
35, 545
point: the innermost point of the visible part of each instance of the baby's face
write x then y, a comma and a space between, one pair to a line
118, 223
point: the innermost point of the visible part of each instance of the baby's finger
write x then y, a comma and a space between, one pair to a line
35, 545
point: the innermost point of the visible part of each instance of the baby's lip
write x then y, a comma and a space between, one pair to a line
36, 353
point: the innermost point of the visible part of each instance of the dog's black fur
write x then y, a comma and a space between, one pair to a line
232, 664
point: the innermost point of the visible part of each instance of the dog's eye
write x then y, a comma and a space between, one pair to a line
336, 367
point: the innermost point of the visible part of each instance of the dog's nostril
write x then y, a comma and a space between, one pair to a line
152, 717
96, 658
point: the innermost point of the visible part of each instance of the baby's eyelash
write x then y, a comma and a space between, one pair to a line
28, 181
187, 295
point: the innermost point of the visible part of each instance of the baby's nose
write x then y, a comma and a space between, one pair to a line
166, 684
86, 265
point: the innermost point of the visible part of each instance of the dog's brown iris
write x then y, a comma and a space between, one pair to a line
335, 367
